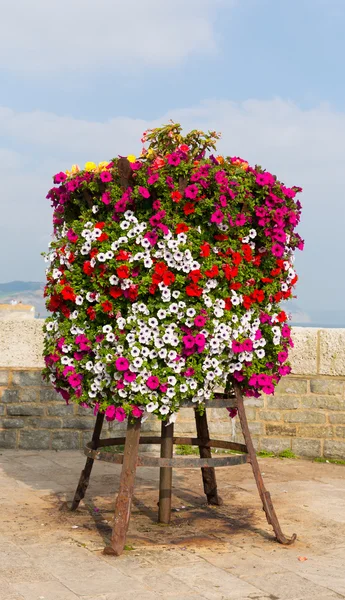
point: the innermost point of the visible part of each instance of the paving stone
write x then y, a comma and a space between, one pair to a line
49, 590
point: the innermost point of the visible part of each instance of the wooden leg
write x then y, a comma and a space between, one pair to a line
271, 516
124, 497
208, 473
86, 472
165, 474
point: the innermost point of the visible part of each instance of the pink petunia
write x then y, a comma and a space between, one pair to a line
152, 382
120, 414
72, 236
199, 321
129, 376
122, 364
191, 191
277, 250
106, 199
105, 176
137, 413
144, 192
217, 216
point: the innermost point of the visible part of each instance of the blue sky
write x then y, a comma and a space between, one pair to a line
81, 80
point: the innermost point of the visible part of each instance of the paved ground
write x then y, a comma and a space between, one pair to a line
222, 553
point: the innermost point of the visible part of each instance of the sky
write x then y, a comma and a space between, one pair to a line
82, 80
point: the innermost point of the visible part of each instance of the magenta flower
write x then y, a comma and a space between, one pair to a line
247, 346
120, 385
188, 341
120, 414
238, 376
130, 376
199, 321
189, 372
232, 412
144, 192
163, 387
217, 216
173, 159
153, 178
122, 364
258, 335
240, 220
268, 389
68, 370
120, 206
75, 380
72, 236
277, 250
282, 356
110, 412
152, 382
163, 228
156, 205
253, 381
96, 408
105, 176
263, 380
222, 201
286, 331
106, 199
60, 177
200, 339
265, 179
191, 191
284, 370
152, 237
236, 346
170, 182
137, 413
64, 394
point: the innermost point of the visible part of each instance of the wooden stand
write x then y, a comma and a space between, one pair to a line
131, 459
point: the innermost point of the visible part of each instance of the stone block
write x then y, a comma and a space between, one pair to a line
255, 402
333, 449
307, 448
275, 445
300, 416
12, 423
278, 429
84, 412
315, 431
27, 377
323, 402
270, 415
45, 423
9, 395
286, 402
255, 428
34, 440
4, 377
340, 432
335, 417
48, 394
2, 410
60, 410
66, 440
332, 356
78, 423
29, 394
24, 410
290, 385
304, 354
8, 439
326, 386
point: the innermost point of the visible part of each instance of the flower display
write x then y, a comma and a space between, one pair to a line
165, 278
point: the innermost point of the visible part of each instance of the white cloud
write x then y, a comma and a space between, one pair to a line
69, 35
303, 147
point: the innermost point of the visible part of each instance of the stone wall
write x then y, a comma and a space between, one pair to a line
306, 415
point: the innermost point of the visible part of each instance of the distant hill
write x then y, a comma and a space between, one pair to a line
27, 292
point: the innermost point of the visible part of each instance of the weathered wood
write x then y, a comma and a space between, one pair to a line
189, 441
124, 497
86, 472
208, 474
125, 173
268, 507
165, 474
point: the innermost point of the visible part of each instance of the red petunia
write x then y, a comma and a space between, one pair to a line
152, 288
160, 268
237, 258
181, 228
221, 237
133, 293
91, 313
107, 306
205, 249
54, 303
277, 297
282, 317
228, 305
193, 290
157, 278
103, 237
213, 272
115, 292
247, 302
65, 311
100, 225
189, 208
168, 277
68, 293
266, 280
123, 255
258, 295
87, 268
122, 272
94, 252
176, 196
236, 285
195, 275
230, 272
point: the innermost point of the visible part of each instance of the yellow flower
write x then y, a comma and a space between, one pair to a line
103, 165
90, 166
131, 158
75, 169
